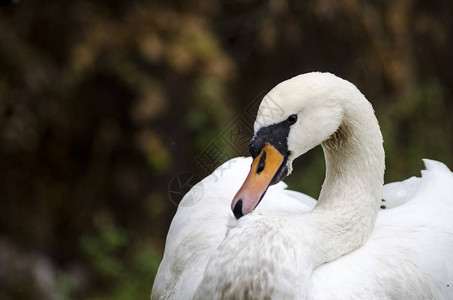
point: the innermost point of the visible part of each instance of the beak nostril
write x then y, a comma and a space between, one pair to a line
261, 163
237, 211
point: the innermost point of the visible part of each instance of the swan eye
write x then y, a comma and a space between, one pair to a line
292, 119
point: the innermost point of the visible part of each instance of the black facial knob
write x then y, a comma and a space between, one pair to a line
256, 145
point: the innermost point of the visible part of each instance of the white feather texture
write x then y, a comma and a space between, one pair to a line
340, 247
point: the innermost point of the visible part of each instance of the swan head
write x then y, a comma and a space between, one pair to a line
294, 117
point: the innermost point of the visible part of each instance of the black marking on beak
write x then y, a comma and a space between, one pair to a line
237, 211
261, 164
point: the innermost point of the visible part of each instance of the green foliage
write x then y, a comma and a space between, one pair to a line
124, 275
102, 251
414, 128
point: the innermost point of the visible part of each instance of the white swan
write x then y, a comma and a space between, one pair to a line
344, 247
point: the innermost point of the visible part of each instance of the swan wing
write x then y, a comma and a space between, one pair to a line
397, 193
410, 253
201, 222
280, 201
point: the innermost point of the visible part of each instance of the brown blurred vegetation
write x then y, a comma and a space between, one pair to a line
103, 102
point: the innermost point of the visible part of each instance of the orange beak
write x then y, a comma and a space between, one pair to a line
264, 167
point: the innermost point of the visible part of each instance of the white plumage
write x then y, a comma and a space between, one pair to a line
344, 248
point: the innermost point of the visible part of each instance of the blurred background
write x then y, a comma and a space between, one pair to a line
110, 110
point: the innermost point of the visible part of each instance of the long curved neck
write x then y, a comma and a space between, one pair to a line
349, 200
280, 252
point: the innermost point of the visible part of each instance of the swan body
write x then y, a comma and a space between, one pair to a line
409, 254
293, 247
200, 225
